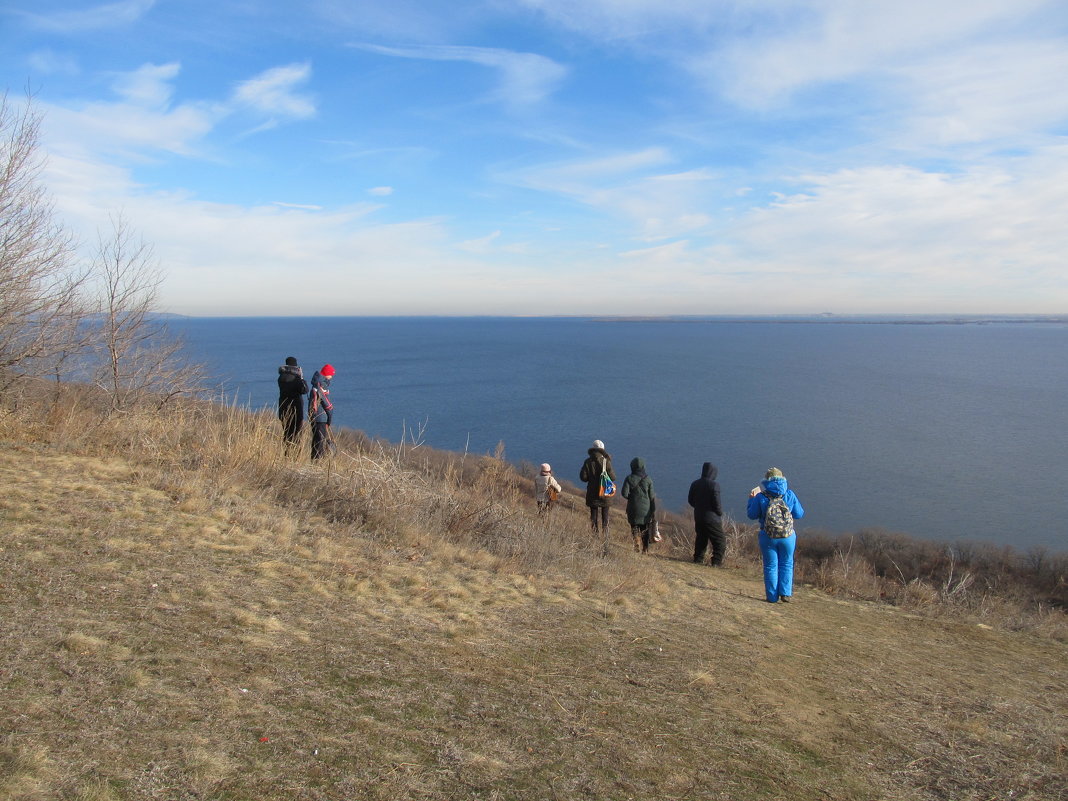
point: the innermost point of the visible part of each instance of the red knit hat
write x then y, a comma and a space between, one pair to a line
327, 371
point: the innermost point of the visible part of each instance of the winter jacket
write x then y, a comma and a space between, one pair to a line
541, 487
597, 462
291, 386
320, 408
704, 496
638, 490
773, 487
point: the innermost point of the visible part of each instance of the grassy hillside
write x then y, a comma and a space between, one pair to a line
188, 614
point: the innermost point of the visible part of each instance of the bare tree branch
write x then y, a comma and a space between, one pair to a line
136, 358
39, 284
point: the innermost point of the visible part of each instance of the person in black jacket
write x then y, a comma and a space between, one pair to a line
596, 463
291, 388
707, 516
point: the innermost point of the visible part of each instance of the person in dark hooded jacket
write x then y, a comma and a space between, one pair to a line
641, 503
291, 389
597, 463
321, 411
707, 516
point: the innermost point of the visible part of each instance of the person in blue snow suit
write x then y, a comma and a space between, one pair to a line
777, 536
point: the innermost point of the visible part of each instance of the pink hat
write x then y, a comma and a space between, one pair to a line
328, 371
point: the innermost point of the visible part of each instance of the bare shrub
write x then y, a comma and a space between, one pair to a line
39, 286
134, 357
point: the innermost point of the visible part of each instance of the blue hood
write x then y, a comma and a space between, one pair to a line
774, 486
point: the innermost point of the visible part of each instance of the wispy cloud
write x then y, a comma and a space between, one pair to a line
526, 79
109, 15
273, 92
380, 191
49, 62
150, 85
986, 93
632, 187
302, 206
144, 119
832, 41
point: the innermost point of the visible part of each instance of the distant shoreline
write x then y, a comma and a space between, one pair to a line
846, 320
783, 319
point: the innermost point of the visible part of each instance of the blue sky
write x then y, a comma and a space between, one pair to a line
563, 156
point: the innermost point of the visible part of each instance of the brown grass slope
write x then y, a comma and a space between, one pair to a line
188, 614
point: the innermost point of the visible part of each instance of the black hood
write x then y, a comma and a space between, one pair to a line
708, 470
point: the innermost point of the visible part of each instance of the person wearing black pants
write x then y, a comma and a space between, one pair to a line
291, 389
597, 463
707, 516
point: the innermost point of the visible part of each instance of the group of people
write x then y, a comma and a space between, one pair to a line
292, 387
772, 502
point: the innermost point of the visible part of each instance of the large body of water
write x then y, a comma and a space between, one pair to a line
949, 432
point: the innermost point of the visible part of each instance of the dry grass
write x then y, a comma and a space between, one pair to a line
189, 614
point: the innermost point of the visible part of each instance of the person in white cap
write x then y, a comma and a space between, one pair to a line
546, 489
597, 464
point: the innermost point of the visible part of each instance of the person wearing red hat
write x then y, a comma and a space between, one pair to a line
321, 410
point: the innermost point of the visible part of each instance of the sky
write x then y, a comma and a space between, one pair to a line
562, 157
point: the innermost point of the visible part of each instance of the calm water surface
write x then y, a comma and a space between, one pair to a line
942, 431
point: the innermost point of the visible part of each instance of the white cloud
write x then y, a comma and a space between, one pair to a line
49, 62
128, 129
864, 240
109, 15
835, 40
302, 206
886, 239
149, 85
481, 245
145, 120
987, 92
272, 92
655, 205
525, 78
380, 191
635, 19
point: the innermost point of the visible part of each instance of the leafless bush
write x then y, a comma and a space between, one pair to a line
134, 358
39, 285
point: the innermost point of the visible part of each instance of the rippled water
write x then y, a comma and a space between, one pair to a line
941, 431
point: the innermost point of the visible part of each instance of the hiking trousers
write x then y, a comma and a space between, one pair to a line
320, 440
292, 423
709, 533
599, 512
778, 558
